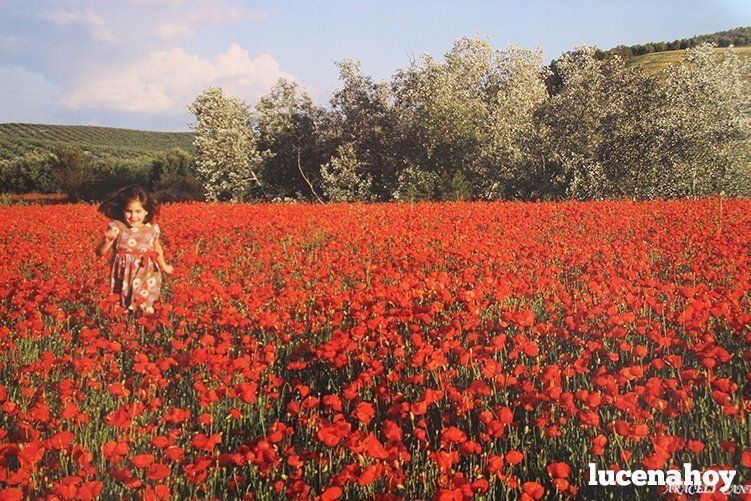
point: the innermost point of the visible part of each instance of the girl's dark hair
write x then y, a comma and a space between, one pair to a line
114, 204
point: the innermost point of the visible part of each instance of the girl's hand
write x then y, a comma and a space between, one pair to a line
168, 269
111, 234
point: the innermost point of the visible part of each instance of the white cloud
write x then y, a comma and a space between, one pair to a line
169, 31
12, 41
257, 14
98, 28
167, 81
184, 19
26, 96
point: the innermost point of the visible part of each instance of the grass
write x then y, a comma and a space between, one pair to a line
656, 62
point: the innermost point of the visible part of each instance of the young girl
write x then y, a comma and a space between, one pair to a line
138, 262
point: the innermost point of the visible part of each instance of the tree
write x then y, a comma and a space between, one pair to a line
226, 154
289, 128
599, 127
470, 119
511, 159
706, 124
169, 166
173, 177
363, 123
416, 184
441, 109
32, 172
70, 167
344, 179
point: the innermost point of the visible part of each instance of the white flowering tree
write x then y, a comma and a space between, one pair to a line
706, 124
613, 131
226, 154
471, 120
343, 178
600, 127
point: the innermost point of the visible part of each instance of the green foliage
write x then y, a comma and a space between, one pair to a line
471, 119
83, 177
226, 154
87, 162
363, 118
290, 135
343, 177
169, 166
173, 177
100, 142
491, 124
600, 127
102, 177
71, 171
705, 125
614, 131
416, 184
32, 172
454, 186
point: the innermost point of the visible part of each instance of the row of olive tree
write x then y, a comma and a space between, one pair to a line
69, 170
488, 124
736, 36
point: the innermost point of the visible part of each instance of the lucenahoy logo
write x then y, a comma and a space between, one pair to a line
687, 477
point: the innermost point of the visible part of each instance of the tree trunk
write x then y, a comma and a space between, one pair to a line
299, 167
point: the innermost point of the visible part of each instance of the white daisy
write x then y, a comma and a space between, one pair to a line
132, 242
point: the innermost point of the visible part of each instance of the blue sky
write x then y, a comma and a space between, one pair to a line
138, 63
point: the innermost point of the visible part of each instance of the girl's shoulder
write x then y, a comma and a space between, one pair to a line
154, 227
118, 225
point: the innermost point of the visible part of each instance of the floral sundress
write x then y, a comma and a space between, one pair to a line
135, 274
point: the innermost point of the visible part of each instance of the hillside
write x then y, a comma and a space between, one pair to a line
17, 139
737, 37
655, 62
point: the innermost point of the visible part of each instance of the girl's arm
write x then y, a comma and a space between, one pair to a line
110, 235
160, 259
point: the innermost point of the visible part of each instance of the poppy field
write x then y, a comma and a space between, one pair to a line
385, 351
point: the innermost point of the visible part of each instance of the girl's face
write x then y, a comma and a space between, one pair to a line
134, 214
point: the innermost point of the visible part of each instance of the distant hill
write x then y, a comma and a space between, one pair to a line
653, 63
103, 142
738, 37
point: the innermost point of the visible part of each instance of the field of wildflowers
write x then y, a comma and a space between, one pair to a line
447, 351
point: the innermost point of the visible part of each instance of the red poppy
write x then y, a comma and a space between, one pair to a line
514, 457
559, 470
142, 460
532, 490
331, 494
